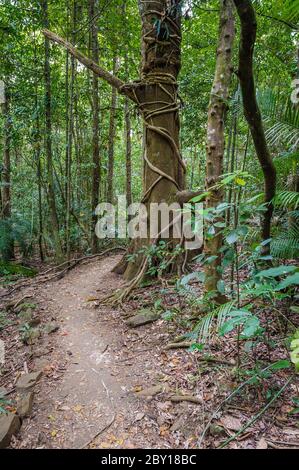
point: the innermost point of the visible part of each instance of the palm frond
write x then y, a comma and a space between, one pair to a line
282, 119
286, 200
287, 162
286, 245
205, 326
290, 10
285, 10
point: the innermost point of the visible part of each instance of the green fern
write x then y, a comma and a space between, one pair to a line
205, 326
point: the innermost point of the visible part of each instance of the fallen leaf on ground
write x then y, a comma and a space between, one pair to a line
77, 408
230, 422
262, 444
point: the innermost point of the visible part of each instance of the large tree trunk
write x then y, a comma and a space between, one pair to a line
216, 137
8, 252
96, 169
251, 109
157, 97
48, 140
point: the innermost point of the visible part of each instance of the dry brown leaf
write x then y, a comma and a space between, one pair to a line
230, 422
262, 444
77, 408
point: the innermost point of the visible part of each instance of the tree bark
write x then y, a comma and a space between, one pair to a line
216, 137
48, 139
37, 148
251, 109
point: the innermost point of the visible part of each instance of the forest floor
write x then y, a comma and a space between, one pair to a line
106, 385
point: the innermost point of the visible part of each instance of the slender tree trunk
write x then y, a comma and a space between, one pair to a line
70, 131
128, 144
111, 138
8, 253
216, 137
48, 140
251, 109
232, 164
96, 170
39, 177
127, 127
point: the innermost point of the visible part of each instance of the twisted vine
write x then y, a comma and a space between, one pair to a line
162, 80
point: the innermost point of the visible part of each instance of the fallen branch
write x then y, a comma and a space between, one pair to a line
99, 432
234, 393
256, 417
110, 422
182, 345
190, 398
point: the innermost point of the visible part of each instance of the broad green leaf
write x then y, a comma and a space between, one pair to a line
275, 272
292, 280
283, 364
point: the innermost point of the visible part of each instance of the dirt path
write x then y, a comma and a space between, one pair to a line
87, 382
94, 365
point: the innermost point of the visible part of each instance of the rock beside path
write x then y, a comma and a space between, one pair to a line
9, 426
25, 404
27, 381
143, 317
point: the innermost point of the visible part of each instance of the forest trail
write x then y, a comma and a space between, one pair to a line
87, 381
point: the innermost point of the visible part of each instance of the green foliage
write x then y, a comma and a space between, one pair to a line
15, 230
16, 269
282, 118
295, 350
4, 402
159, 257
28, 334
4, 321
287, 200
250, 324
286, 245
